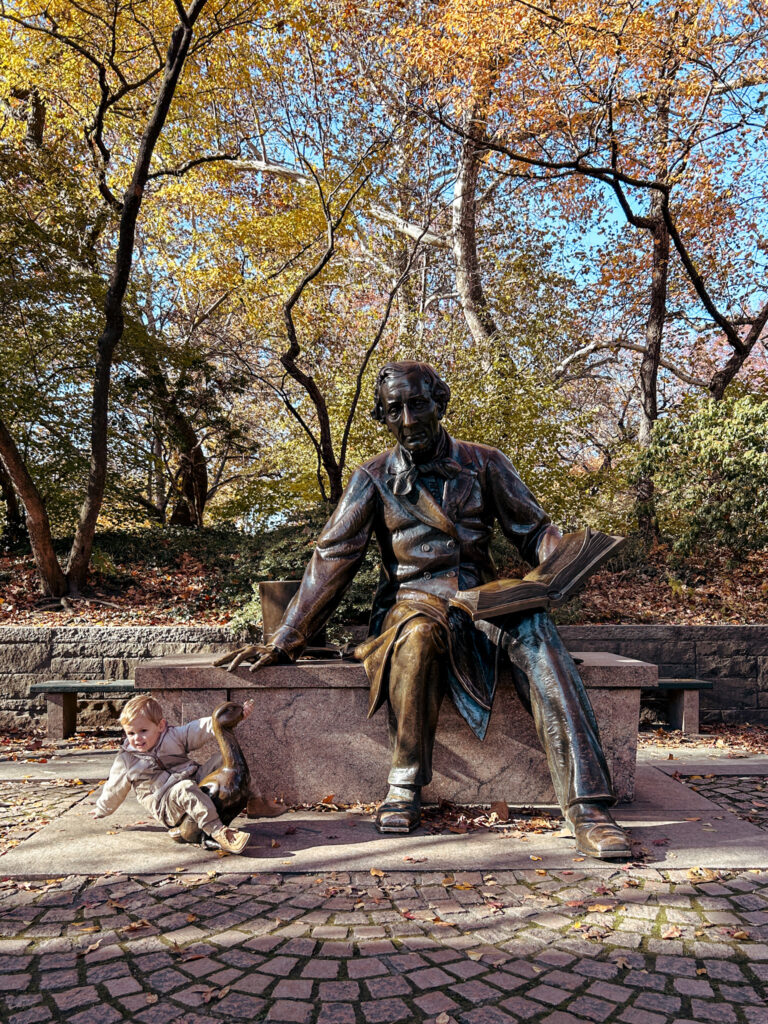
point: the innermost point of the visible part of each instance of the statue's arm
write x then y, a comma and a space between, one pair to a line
522, 519
339, 553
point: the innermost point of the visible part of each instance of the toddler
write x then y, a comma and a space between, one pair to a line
154, 761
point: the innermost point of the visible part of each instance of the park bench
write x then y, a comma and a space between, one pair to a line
61, 700
681, 699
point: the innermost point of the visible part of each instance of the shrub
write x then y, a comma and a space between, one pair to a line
711, 471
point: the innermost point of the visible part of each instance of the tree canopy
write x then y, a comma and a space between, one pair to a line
218, 220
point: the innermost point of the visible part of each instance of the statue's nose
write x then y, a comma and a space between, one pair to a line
408, 417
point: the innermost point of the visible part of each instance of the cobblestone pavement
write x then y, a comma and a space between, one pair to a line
629, 944
27, 805
745, 795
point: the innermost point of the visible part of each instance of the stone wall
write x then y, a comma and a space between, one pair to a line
34, 654
734, 658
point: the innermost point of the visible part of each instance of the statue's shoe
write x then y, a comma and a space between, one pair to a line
399, 815
596, 833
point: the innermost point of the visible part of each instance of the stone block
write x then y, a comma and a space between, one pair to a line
77, 668
722, 660
736, 692
309, 735
24, 657
18, 684
120, 668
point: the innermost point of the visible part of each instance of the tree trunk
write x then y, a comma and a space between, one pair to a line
645, 505
193, 484
15, 531
53, 580
464, 239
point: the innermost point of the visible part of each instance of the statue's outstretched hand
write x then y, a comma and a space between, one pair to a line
257, 655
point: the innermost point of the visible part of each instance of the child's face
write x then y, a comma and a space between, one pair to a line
143, 733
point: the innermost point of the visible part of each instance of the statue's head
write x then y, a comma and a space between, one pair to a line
410, 399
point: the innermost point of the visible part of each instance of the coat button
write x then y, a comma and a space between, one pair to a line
450, 573
451, 544
427, 575
426, 547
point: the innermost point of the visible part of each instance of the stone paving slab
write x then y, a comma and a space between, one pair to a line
675, 826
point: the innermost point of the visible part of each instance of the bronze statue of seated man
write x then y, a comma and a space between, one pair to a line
432, 503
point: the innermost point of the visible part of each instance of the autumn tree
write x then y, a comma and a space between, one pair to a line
118, 72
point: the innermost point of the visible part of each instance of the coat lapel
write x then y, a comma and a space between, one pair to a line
458, 489
425, 508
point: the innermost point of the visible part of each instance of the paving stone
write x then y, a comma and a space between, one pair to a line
287, 989
433, 1003
385, 1011
476, 991
548, 994
591, 1008
634, 1016
430, 977
290, 1010
719, 1012
487, 1015
368, 967
73, 997
657, 1002
96, 1015
336, 1013
392, 985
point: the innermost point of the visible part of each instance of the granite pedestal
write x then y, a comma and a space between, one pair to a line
309, 736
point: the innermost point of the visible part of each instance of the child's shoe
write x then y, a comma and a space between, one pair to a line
230, 839
175, 835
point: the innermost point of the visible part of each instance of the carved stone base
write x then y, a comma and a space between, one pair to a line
309, 738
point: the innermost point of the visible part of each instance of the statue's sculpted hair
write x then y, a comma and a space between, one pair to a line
438, 389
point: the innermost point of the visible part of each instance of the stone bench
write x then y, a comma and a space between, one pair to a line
309, 736
61, 700
682, 701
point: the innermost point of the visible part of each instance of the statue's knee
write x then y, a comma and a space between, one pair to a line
428, 636
538, 629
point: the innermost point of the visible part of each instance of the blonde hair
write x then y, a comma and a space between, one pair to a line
142, 704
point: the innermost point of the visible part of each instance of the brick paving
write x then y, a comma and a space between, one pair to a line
632, 944
745, 795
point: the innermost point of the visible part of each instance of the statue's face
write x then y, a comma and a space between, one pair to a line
411, 414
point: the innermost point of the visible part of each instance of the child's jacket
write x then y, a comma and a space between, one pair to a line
152, 773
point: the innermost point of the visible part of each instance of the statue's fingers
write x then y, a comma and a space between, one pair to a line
240, 656
224, 658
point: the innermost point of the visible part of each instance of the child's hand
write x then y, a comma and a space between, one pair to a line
247, 709
94, 812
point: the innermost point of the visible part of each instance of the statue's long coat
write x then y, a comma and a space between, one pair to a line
425, 546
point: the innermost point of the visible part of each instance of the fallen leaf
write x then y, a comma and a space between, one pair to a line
702, 874
328, 799
535, 858
274, 844
442, 1018
377, 873
500, 809
151, 997
672, 932
701, 970
621, 961
600, 908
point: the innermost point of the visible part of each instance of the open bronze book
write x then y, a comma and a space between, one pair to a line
558, 577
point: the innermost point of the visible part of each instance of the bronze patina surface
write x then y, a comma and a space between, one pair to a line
432, 503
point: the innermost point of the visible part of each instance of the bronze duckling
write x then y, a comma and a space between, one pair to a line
228, 784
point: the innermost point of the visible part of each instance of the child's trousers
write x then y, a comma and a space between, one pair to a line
187, 798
